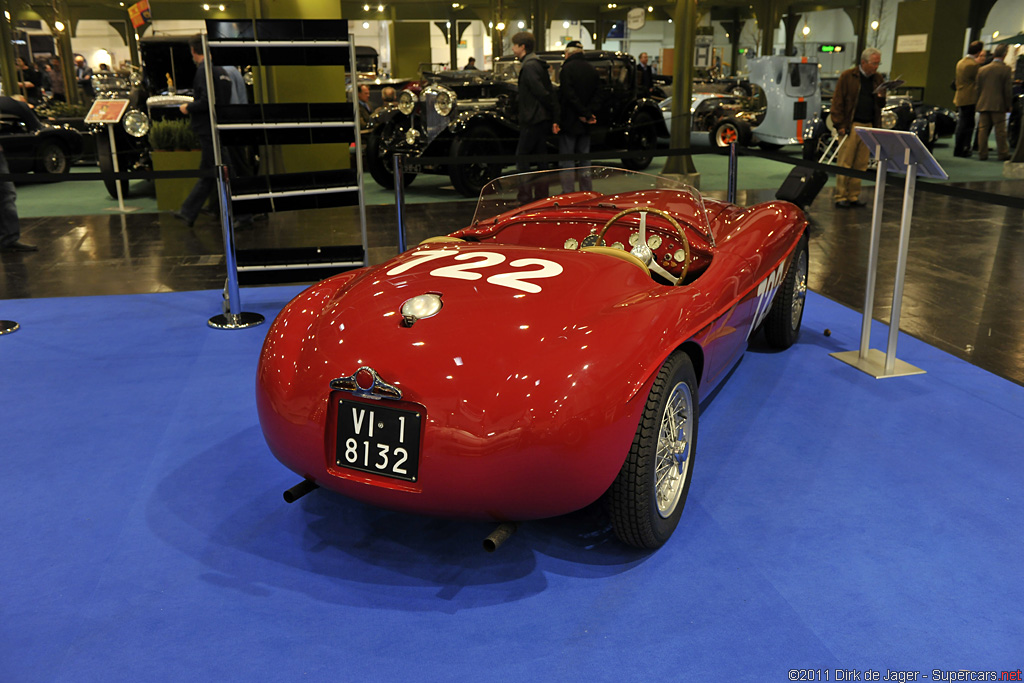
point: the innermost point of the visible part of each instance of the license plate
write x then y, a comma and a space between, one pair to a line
378, 439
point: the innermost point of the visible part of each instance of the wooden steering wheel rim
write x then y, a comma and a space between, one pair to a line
664, 214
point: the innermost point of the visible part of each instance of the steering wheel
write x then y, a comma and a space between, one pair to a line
642, 251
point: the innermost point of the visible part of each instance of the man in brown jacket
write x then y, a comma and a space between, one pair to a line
995, 95
966, 97
856, 102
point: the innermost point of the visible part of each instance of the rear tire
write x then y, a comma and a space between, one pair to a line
53, 158
642, 137
647, 497
782, 325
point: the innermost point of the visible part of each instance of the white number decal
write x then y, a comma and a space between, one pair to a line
485, 259
382, 451
515, 280
418, 259
461, 272
765, 293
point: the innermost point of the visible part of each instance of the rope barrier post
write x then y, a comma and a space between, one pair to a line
233, 318
399, 162
731, 187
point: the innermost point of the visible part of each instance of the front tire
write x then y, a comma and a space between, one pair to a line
106, 162
478, 143
782, 325
379, 158
729, 130
647, 497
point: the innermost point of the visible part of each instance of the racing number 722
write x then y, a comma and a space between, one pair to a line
514, 279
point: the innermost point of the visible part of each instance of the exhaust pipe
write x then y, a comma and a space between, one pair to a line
499, 536
299, 490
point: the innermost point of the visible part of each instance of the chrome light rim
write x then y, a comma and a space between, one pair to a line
406, 102
136, 123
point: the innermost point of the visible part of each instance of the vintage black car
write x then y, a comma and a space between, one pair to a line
926, 121
470, 115
32, 146
154, 92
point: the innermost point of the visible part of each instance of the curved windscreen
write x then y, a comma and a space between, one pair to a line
594, 185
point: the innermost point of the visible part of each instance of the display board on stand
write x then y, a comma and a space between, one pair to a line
895, 151
110, 113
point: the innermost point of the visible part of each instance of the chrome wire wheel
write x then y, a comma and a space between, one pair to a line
800, 291
674, 439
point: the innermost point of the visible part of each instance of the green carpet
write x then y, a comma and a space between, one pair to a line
79, 198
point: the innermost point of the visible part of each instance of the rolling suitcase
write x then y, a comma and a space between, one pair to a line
801, 186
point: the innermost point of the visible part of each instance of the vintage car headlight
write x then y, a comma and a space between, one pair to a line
889, 119
406, 102
136, 123
444, 102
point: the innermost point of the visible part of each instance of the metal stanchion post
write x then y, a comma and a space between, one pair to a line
8, 326
400, 198
233, 319
876, 234
731, 188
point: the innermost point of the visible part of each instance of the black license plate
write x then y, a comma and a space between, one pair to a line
378, 439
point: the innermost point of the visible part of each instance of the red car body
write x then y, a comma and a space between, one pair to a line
531, 380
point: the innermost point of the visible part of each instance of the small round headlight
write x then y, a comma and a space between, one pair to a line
420, 307
889, 119
406, 102
444, 102
136, 123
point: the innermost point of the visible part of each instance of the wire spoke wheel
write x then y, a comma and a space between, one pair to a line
673, 461
647, 497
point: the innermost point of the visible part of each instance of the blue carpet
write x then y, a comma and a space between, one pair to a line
835, 522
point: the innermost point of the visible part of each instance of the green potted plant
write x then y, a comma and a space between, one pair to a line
174, 147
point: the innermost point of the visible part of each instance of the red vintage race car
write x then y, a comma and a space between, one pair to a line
551, 353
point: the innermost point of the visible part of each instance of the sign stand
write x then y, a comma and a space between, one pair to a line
110, 112
900, 152
8, 326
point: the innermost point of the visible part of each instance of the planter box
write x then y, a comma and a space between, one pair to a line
171, 192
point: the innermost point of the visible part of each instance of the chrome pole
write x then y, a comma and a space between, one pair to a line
731, 188
398, 160
233, 319
901, 265
876, 234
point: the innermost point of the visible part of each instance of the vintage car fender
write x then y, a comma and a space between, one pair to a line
650, 108
496, 120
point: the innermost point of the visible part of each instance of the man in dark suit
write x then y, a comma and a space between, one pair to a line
578, 97
538, 109
966, 97
199, 121
645, 75
995, 97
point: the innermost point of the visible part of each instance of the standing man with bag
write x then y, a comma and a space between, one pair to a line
856, 102
199, 121
995, 97
578, 97
538, 107
966, 97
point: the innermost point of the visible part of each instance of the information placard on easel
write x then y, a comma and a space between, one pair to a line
898, 152
110, 113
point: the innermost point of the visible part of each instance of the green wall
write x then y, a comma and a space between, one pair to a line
304, 84
410, 48
944, 22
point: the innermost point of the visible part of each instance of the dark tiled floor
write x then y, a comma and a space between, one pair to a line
963, 293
